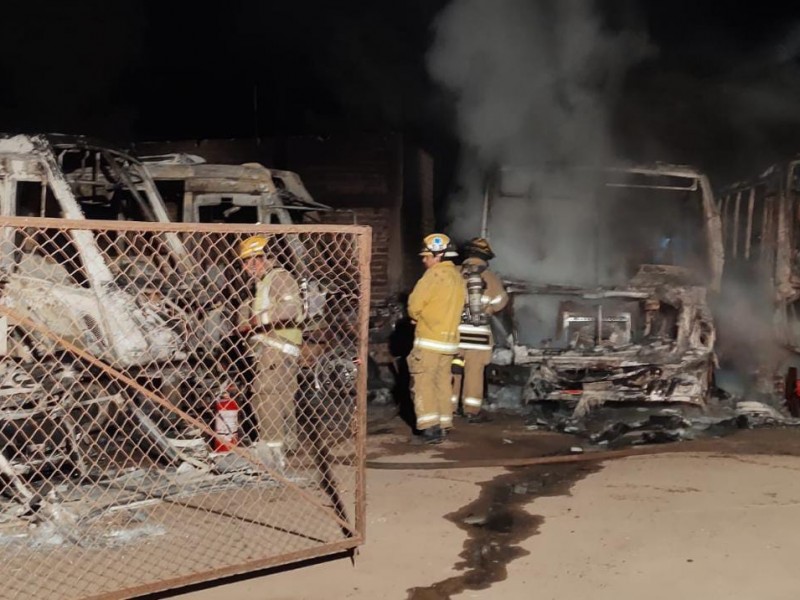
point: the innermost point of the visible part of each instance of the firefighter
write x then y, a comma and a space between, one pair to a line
274, 325
485, 297
435, 305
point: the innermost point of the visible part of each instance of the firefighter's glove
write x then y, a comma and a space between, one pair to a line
457, 366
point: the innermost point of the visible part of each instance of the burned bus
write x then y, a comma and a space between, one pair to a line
761, 225
609, 272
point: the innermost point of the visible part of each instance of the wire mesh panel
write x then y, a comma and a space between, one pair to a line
177, 402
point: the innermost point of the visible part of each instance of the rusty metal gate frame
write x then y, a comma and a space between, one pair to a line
353, 527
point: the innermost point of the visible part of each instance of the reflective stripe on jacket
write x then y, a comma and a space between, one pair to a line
436, 304
475, 337
278, 301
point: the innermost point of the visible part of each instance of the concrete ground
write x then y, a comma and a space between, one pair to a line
714, 519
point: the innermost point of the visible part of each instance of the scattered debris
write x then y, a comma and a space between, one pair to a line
114, 510
759, 414
630, 425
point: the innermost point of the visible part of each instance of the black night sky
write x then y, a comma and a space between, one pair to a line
721, 89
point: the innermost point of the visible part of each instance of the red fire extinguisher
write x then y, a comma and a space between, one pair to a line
226, 421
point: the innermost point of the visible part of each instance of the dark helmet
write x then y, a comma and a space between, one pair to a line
478, 248
451, 253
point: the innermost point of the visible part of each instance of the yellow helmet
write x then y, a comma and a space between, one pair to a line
434, 244
253, 246
479, 248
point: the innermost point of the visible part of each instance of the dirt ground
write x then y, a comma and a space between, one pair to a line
711, 518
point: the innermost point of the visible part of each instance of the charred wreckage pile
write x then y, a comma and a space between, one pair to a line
74, 434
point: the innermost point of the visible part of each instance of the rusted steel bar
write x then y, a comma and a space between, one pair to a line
80, 224
749, 234
364, 254
255, 565
735, 244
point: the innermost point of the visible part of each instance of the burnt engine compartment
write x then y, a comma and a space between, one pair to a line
588, 347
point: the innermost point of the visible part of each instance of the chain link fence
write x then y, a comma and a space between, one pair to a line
163, 420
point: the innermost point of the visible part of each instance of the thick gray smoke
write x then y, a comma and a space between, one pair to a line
537, 83
756, 100
534, 83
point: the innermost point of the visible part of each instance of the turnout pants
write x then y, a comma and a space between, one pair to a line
274, 388
430, 388
471, 394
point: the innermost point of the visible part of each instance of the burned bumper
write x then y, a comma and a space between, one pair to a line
594, 378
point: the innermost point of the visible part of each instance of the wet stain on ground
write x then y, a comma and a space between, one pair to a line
504, 437
496, 522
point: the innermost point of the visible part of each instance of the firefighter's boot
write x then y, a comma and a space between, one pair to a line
432, 435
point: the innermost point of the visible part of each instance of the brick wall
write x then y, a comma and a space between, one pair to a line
362, 176
378, 219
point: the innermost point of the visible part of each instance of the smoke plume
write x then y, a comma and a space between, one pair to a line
533, 84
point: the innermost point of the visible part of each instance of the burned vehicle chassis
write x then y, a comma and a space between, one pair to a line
650, 340
58, 413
